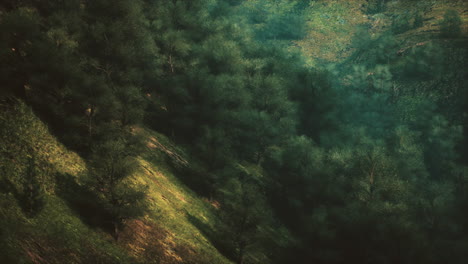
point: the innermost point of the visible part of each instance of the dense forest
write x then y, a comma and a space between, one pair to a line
231, 131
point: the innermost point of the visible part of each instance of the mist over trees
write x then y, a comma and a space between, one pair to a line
365, 160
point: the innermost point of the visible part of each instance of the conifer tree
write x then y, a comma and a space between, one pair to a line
418, 20
243, 211
450, 26
32, 197
111, 166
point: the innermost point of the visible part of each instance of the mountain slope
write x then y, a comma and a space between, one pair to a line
332, 25
58, 233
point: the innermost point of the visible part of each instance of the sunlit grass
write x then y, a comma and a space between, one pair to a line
171, 201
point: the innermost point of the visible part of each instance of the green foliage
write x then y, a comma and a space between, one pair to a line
275, 20
31, 198
296, 168
32, 216
363, 162
111, 165
423, 62
243, 211
11, 222
79, 85
22, 174
450, 26
401, 23
375, 6
314, 95
19, 28
418, 20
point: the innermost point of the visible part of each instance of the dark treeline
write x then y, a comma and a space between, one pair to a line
365, 162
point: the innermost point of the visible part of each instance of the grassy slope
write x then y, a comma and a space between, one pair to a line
332, 24
175, 230
190, 219
58, 235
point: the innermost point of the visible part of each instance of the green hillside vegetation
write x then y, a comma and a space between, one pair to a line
228, 131
176, 229
332, 24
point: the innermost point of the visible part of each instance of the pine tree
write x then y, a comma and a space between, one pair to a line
418, 20
401, 23
243, 211
450, 26
111, 166
376, 6
32, 197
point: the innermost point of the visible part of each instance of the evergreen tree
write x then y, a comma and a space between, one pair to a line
243, 211
364, 163
418, 20
450, 26
21, 40
32, 197
376, 6
111, 167
401, 23
276, 20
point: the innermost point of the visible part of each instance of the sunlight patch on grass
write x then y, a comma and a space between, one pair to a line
171, 201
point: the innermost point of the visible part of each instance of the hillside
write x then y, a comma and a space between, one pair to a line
331, 25
175, 230
232, 131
